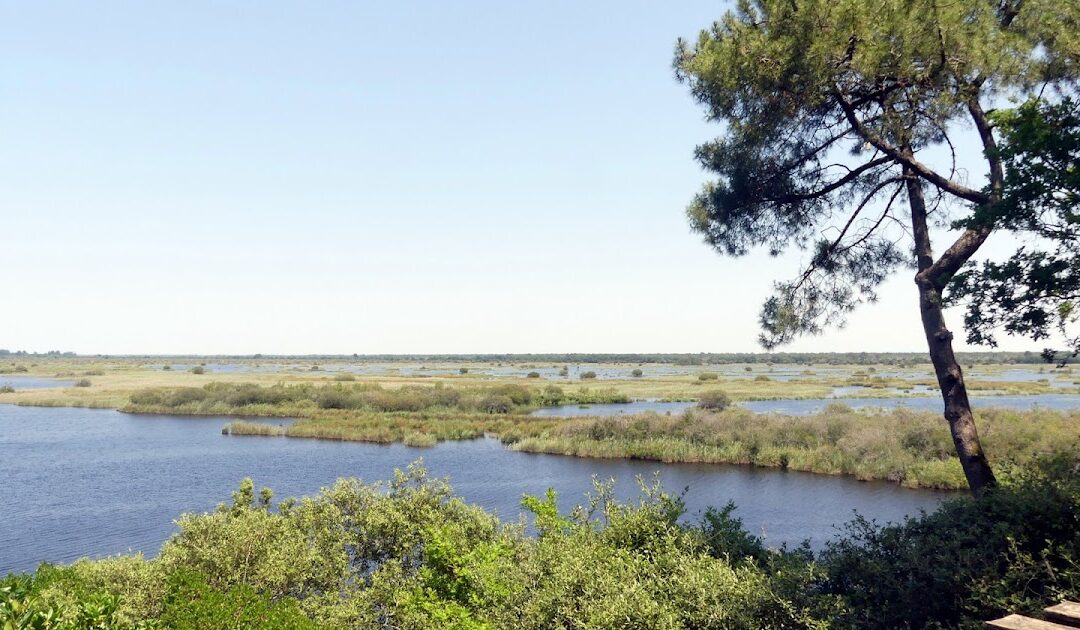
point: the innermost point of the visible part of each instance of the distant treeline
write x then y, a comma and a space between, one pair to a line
703, 358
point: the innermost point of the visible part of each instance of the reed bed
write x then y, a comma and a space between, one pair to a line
907, 447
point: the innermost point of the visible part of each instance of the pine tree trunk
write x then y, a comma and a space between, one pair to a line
950, 379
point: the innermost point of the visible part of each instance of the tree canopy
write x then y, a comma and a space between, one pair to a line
829, 110
836, 112
1036, 291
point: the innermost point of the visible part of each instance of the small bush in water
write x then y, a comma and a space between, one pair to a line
714, 401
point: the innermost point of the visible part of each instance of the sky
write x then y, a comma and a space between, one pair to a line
381, 177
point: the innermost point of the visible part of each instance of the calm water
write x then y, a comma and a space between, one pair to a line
91, 482
32, 382
923, 403
814, 405
612, 409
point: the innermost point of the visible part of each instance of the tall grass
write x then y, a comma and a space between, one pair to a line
302, 399
903, 446
911, 448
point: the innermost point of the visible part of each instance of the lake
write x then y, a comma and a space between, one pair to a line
93, 482
32, 382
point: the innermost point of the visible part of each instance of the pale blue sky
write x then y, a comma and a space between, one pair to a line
378, 177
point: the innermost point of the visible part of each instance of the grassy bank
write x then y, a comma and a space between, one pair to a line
114, 380
903, 446
911, 448
307, 399
414, 429
410, 554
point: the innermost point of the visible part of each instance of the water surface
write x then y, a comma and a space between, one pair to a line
19, 381
919, 403
813, 405
92, 482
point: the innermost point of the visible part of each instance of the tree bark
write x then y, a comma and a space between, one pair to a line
980, 476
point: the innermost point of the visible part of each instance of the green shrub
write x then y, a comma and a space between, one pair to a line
191, 604
761, 378
716, 400
587, 375
636, 373
409, 554
329, 398
497, 403
532, 375
1013, 551
83, 382
708, 376
198, 369
6, 389
344, 377
463, 370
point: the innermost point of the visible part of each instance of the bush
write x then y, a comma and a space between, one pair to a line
344, 377
587, 375
714, 401
1015, 550
333, 398
636, 373
167, 368
83, 382
497, 403
761, 378
198, 369
7, 389
191, 604
708, 376
532, 375
409, 554
463, 370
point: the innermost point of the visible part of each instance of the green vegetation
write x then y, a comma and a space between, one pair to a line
410, 554
708, 376
308, 399
198, 369
83, 382
827, 111
715, 400
587, 375
911, 448
1014, 551
1034, 292
7, 389
636, 373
